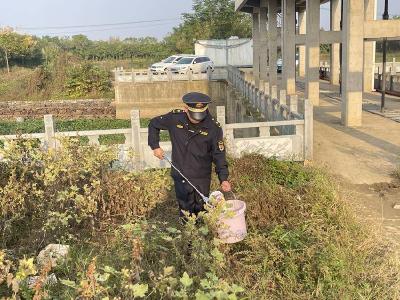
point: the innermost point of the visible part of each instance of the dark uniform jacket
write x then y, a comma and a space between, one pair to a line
194, 146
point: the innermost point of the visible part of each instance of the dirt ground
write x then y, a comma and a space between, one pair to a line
363, 161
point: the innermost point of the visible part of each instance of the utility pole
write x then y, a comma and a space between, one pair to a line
384, 46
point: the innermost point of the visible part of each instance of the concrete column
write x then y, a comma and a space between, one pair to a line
302, 49
256, 46
289, 46
263, 41
272, 41
369, 48
312, 51
352, 68
335, 48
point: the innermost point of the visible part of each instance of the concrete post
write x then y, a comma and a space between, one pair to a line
335, 48
293, 103
135, 133
289, 46
272, 41
274, 92
256, 46
262, 84
302, 49
308, 130
263, 41
352, 68
266, 88
369, 48
282, 97
312, 52
221, 116
49, 136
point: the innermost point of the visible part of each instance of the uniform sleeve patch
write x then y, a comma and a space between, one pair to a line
221, 146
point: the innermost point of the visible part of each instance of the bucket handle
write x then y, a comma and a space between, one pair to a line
234, 196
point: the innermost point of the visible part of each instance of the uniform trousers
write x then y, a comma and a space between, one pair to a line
188, 199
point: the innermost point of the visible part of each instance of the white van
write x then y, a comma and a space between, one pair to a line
192, 63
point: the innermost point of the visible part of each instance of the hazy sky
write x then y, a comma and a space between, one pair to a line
25, 14
56, 13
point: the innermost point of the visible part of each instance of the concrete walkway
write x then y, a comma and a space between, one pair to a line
362, 160
364, 155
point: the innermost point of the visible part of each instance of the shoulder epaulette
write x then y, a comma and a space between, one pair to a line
177, 111
216, 122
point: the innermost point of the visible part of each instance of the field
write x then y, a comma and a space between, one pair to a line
125, 239
51, 83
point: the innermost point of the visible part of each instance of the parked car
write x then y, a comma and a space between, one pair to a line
193, 63
279, 65
163, 65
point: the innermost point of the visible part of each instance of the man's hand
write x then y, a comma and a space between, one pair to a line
226, 186
159, 153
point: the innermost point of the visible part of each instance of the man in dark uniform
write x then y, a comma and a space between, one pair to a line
197, 142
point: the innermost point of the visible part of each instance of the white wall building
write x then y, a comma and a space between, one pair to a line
233, 51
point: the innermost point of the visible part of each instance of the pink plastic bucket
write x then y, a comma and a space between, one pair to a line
232, 227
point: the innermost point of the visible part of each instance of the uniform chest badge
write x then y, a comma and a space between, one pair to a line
203, 132
221, 146
179, 126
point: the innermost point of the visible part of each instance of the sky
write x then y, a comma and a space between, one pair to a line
58, 13
140, 17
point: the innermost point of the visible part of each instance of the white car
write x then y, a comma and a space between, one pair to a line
193, 63
162, 66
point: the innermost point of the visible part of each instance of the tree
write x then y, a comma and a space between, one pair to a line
210, 19
14, 45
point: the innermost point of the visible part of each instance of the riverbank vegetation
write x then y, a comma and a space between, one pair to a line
125, 240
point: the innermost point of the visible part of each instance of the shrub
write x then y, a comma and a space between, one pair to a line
303, 242
56, 196
87, 79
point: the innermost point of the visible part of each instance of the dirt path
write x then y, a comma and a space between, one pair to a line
363, 160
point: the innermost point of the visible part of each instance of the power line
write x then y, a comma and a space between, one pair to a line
103, 29
97, 25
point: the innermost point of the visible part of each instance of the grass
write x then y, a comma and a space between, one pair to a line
303, 241
396, 172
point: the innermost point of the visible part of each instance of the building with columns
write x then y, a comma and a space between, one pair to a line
352, 35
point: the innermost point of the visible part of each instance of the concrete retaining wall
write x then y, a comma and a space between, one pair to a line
61, 109
157, 98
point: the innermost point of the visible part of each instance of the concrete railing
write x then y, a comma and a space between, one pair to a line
281, 113
135, 153
146, 76
392, 83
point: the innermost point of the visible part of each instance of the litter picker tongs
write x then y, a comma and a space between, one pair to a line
205, 199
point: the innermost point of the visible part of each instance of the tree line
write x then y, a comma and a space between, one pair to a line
210, 19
